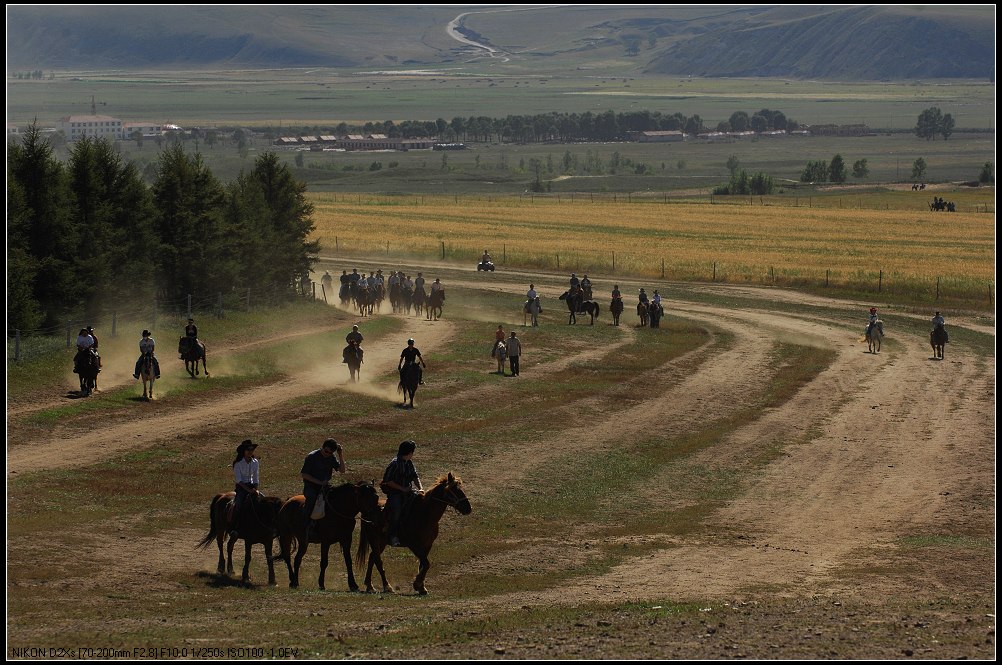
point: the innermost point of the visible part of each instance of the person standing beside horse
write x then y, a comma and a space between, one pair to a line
399, 481
318, 468
147, 345
246, 474
514, 351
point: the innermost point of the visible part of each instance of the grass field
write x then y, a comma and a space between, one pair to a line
904, 254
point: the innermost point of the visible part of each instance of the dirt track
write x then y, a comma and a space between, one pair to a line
895, 443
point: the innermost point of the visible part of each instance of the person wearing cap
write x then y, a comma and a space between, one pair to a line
514, 345
147, 345
411, 356
643, 297
656, 299
436, 285
400, 481
354, 336
246, 474
318, 468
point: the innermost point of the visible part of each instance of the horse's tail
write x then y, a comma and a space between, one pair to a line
209, 537
363, 546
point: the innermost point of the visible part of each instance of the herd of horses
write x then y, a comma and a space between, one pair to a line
368, 300
263, 519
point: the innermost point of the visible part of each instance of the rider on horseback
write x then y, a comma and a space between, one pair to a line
616, 295
191, 332
939, 322
643, 297
398, 483
873, 320
246, 470
586, 287
318, 468
409, 356
147, 346
354, 338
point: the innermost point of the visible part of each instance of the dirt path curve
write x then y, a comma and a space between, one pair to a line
881, 445
63, 450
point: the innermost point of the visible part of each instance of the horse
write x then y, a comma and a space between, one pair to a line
147, 372
616, 307
501, 353
874, 333
938, 339
410, 379
418, 300
644, 312
577, 305
344, 294
364, 300
87, 365
418, 530
342, 504
655, 312
435, 301
191, 351
352, 355
531, 308
255, 524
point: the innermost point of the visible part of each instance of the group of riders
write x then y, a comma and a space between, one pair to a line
87, 350
400, 483
937, 336
367, 292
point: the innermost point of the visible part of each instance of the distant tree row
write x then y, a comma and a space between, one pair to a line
554, 126
91, 232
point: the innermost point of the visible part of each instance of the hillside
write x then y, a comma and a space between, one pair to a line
816, 42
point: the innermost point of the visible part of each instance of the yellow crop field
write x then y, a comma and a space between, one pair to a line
774, 243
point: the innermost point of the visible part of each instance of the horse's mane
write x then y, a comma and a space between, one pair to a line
443, 480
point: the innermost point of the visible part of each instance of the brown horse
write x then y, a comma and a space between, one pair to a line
343, 503
191, 351
418, 530
616, 307
147, 372
874, 333
938, 339
255, 524
576, 304
434, 305
644, 312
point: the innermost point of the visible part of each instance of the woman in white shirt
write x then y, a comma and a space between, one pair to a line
246, 474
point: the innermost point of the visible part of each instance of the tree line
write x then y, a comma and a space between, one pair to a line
557, 126
91, 234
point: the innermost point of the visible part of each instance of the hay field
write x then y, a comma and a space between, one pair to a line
895, 250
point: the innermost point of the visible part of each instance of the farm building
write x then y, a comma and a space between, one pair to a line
659, 137
75, 127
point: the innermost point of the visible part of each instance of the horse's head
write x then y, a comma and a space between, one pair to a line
563, 296
449, 489
368, 500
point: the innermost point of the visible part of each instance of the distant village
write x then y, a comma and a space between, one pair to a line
75, 127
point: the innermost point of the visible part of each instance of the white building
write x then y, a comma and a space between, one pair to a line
75, 127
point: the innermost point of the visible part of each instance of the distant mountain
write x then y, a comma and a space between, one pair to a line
817, 42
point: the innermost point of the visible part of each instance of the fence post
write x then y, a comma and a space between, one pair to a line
323, 290
220, 312
17, 344
504, 253
989, 294
154, 325
714, 271
614, 262
662, 268
315, 290
827, 274
937, 288
114, 324
443, 250
248, 291
558, 267
335, 245
189, 305
69, 324
880, 282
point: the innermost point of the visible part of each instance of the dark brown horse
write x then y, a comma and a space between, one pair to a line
191, 351
644, 312
352, 356
343, 503
255, 524
434, 306
938, 339
87, 365
410, 379
576, 304
616, 307
418, 530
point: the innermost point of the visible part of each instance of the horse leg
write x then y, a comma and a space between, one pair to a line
221, 567
422, 573
304, 543
245, 577
376, 558
229, 555
285, 551
271, 562
346, 550
325, 547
